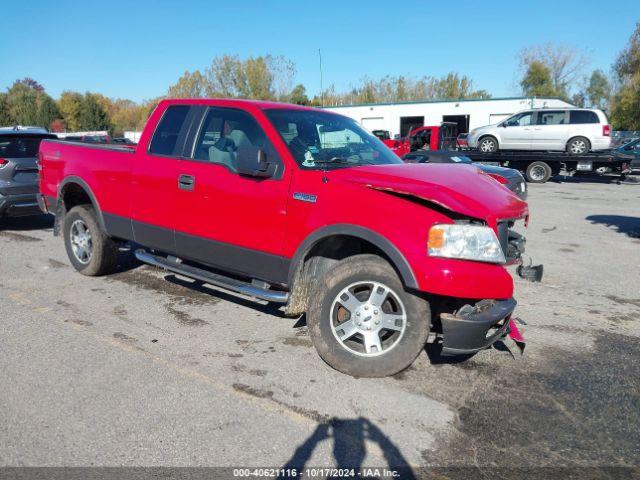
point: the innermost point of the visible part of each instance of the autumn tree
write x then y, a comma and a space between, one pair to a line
565, 65
70, 104
625, 111
264, 77
189, 85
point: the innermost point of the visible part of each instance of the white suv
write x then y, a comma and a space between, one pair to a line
576, 130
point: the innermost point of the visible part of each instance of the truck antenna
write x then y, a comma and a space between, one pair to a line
321, 87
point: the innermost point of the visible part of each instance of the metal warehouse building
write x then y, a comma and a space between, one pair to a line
399, 118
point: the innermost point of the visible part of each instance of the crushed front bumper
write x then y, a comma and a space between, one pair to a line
476, 328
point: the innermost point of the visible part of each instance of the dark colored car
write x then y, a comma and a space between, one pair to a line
631, 150
510, 178
382, 134
19, 171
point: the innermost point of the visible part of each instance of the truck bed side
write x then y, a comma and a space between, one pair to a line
103, 170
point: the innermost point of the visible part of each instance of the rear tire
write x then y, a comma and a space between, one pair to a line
488, 145
90, 250
578, 146
538, 172
362, 321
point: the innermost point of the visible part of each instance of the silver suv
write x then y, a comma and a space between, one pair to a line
576, 130
19, 170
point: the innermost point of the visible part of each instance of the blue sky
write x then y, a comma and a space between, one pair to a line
136, 49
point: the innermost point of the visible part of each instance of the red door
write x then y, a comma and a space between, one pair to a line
155, 181
225, 219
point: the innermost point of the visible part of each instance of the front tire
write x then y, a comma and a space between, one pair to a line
90, 250
488, 145
578, 146
362, 321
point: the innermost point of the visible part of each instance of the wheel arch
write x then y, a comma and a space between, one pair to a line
74, 191
492, 135
326, 246
589, 141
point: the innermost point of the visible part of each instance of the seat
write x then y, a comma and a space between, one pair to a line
224, 150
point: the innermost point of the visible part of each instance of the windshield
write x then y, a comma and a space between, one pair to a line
319, 140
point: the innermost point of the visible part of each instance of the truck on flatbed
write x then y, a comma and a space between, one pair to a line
302, 207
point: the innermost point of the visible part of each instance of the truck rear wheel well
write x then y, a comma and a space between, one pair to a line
319, 259
71, 195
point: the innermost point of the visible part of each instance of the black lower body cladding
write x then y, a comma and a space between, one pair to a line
477, 328
19, 205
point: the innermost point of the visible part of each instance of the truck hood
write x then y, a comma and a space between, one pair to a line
462, 189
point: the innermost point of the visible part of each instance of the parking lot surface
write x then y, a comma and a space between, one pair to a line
146, 368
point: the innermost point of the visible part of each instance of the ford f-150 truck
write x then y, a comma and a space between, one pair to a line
304, 207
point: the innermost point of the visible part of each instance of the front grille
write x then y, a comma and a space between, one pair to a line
511, 242
503, 236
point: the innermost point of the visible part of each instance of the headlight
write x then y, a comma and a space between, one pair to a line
468, 242
472, 132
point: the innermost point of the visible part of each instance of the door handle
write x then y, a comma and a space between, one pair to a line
186, 182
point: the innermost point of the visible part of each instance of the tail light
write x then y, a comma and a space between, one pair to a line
606, 130
3, 162
498, 178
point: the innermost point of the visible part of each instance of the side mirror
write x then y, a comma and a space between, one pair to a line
253, 162
504, 125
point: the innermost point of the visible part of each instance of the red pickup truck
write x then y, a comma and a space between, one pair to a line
434, 137
304, 207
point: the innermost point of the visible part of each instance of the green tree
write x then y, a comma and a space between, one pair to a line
26, 103
5, 117
299, 95
92, 115
625, 111
599, 90
537, 81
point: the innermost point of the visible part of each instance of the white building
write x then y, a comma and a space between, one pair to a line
399, 118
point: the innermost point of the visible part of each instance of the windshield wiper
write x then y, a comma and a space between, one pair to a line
333, 160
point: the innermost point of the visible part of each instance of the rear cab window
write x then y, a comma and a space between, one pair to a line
169, 136
583, 116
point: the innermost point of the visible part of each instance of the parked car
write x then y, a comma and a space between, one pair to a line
509, 177
574, 130
18, 170
87, 138
304, 207
631, 151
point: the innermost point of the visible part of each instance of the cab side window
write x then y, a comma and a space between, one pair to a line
227, 133
171, 128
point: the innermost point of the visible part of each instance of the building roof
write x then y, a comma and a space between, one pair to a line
453, 100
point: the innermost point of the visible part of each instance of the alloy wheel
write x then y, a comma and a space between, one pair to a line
368, 318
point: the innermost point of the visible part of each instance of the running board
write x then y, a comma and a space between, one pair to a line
211, 278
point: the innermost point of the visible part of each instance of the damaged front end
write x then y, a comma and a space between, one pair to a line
472, 328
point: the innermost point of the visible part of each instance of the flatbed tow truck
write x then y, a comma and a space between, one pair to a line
540, 166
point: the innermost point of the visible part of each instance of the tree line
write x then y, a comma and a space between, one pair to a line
545, 70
